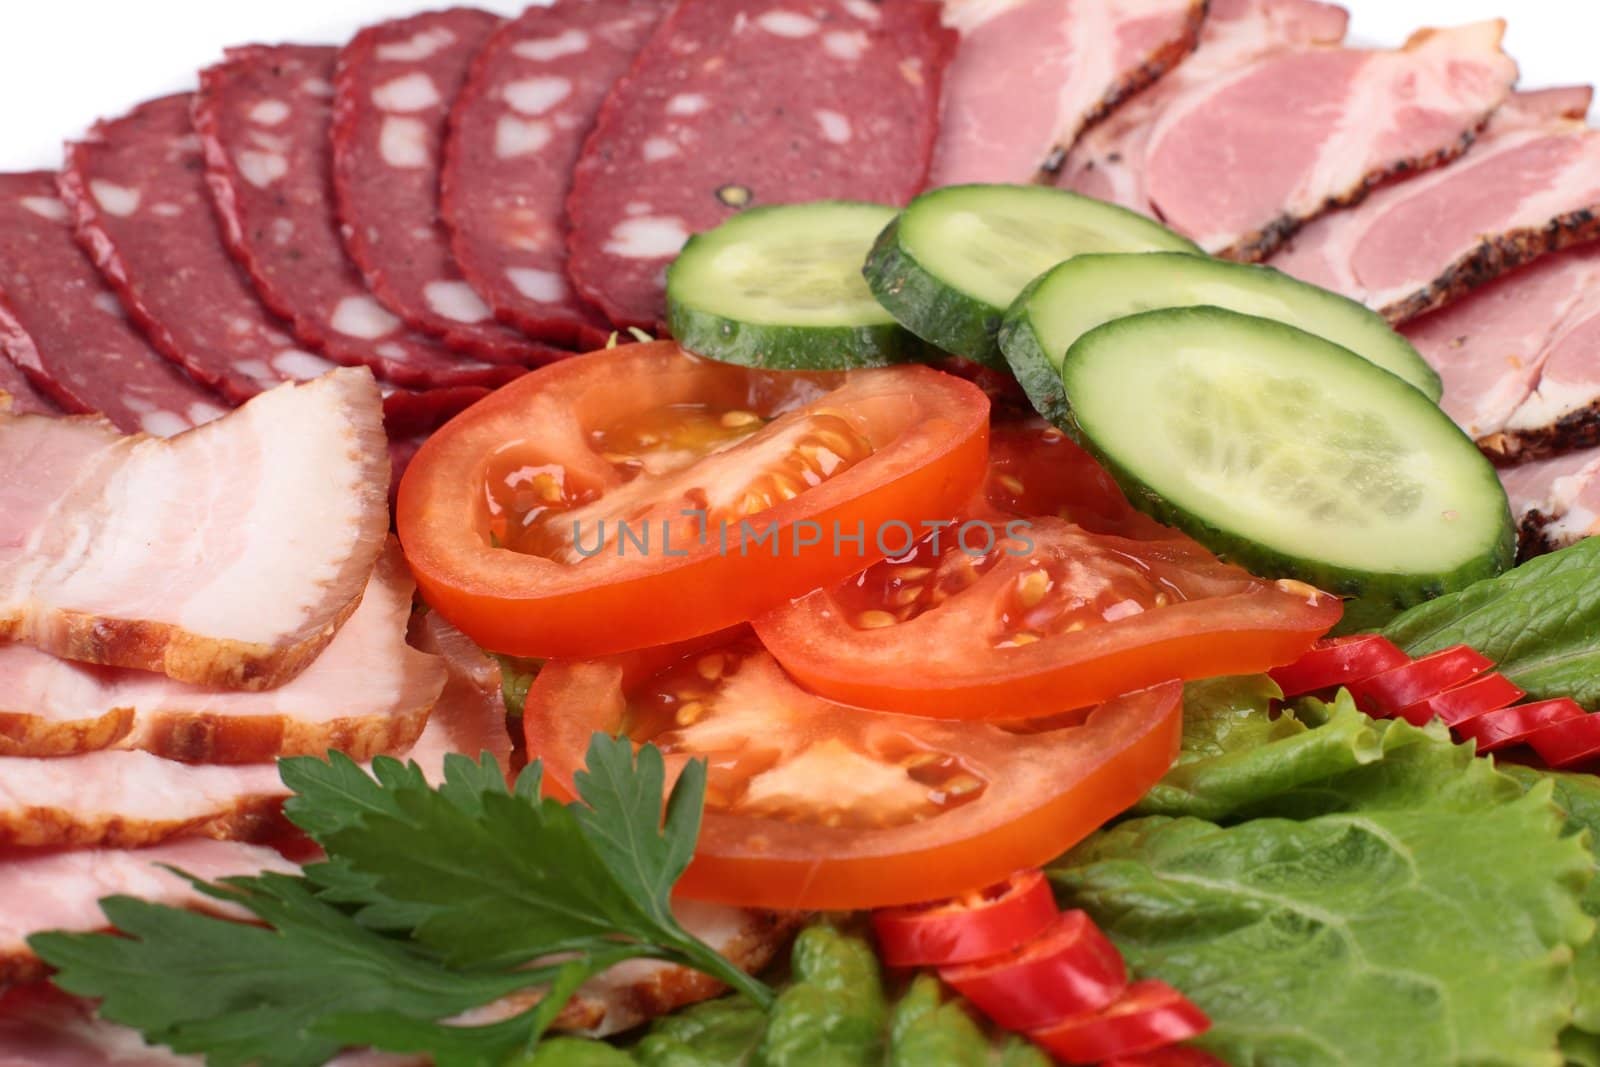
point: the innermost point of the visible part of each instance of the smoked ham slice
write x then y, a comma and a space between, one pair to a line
1555, 502
125, 799
1028, 77
368, 692
1108, 160
1529, 186
62, 890
226, 556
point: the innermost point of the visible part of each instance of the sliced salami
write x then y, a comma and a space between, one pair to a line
137, 188
732, 104
263, 116
515, 133
21, 396
61, 324
394, 86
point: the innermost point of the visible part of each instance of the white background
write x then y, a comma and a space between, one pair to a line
64, 64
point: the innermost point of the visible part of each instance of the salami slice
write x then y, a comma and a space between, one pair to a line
21, 396
393, 90
515, 133
137, 188
263, 116
60, 322
732, 104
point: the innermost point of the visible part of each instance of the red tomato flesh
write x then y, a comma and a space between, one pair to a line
816, 805
1479, 696
1338, 661
1387, 692
971, 927
1070, 969
1149, 1015
1512, 726
1569, 743
640, 496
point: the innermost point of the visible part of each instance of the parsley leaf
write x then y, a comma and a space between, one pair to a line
432, 902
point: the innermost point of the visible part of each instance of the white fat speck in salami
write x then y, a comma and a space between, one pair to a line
409, 92
46, 207
107, 301
687, 104
115, 199
261, 169
515, 137
162, 423
166, 210
403, 142
657, 148
456, 300
297, 240
269, 112
363, 317
787, 82
417, 47
301, 366
569, 42
647, 237
545, 286
787, 24
515, 132
319, 87
535, 96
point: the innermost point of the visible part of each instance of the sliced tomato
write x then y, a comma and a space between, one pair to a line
1385, 693
812, 804
1512, 726
641, 496
1569, 743
1487, 692
1338, 661
1040, 618
973, 926
1036, 470
1070, 969
1149, 1015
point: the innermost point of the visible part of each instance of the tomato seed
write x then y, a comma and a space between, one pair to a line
1032, 587
875, 620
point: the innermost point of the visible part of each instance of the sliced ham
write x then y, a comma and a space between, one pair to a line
226, 556
1518, 357
368, 692
1555, 502
1029, 76
122, 799
1108, 160
62, 890
1529, 186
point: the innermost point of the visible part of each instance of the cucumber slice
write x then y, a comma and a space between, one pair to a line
957, 257
1290, 455
781, 287
1075, 297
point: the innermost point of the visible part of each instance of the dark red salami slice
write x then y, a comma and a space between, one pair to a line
515, 133
137, 188
60, 323
407, 412
393, 89
732, 104
263, 116
22, 397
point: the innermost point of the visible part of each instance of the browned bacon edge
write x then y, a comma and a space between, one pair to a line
1146, 74
254, 819
1263, 243
29, 734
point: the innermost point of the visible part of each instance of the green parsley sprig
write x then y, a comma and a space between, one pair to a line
432, 902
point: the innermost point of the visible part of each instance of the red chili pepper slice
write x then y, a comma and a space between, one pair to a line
1149, 1015
1338, 661
977, 926
1069, 970
1479, 696
1569, 742
1385, 693
1510, 726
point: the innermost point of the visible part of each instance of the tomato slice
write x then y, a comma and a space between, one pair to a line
811, 804
974, 926
1568, 743
1070, 969
1149, 1015
1036, 470
1385, 693
1512, 726
1479, 696
641, 496
1338, 661
1047, 618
